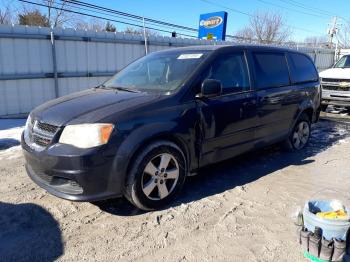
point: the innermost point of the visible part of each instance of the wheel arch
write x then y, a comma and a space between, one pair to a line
309, 111
305, 108
160, 137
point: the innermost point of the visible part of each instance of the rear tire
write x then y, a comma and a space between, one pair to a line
300, 135
156, 176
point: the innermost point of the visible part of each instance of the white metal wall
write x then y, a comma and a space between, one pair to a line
323, 58
24, 56
31, 75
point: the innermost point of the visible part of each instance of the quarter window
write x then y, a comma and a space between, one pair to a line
271, 70
232, 71
302, 69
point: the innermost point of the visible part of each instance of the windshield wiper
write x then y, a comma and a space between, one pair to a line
127, 89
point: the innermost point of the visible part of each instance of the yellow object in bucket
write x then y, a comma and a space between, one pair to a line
338, 214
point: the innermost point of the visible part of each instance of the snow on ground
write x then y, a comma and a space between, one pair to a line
10, 137
6, 124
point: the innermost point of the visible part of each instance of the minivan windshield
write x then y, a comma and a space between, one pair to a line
344, 62
158, 72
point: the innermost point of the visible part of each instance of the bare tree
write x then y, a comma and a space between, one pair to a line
92, 24
266, 28
316, 41
54, 10
245, 35
344, 35
96, 24
5, 16
6, 13
139, 31
56, 13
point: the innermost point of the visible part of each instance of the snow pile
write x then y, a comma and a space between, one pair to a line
10, 137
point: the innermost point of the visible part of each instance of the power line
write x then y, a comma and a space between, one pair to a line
303, 6
112, 15
226, 7
126, 16
293, 10
250, 15
104, 18
81, 3
134, 18
313, 8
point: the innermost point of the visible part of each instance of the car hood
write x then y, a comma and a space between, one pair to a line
89, 106
337, 73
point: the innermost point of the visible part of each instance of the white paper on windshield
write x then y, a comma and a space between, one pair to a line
190, 56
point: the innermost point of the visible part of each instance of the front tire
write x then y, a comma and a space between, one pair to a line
300, 135
156, 176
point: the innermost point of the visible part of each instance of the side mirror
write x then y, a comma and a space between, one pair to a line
211, 88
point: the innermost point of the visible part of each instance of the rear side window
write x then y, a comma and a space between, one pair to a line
271, 70
302, 69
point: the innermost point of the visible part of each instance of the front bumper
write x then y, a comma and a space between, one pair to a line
336, 98
75, 174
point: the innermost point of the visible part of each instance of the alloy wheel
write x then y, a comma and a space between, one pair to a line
160, 176
301, 135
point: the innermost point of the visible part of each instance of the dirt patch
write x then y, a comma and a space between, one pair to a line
238, 210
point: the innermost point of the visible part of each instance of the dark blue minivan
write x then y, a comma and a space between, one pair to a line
167, 115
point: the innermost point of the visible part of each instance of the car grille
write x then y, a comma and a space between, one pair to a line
47, 128
336, 88
38, 135
336, 84
334, 80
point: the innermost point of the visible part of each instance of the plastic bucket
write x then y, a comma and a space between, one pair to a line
331, 228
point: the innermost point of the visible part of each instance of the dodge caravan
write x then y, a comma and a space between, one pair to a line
167, 115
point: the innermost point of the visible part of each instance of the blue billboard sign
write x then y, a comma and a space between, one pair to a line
212, 26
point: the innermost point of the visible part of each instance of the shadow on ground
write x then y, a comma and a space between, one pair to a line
6, 143
11, 123
28, 233
244, 169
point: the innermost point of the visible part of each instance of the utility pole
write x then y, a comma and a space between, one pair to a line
332, 31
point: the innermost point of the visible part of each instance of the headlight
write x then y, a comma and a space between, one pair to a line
27, 126
28, 122
86, 135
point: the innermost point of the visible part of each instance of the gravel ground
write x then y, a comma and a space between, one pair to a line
239, 210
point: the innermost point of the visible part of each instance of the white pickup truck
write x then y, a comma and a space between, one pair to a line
336, 84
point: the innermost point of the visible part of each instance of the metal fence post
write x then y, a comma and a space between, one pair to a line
315, 56
54, 62
145, 36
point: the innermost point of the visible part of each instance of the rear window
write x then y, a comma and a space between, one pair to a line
271, 70
302, 68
